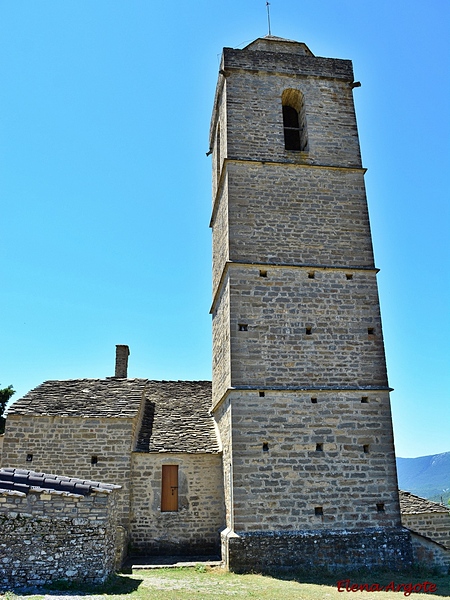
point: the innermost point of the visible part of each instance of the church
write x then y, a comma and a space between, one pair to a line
287, 458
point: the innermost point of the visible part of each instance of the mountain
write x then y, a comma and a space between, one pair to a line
426, 476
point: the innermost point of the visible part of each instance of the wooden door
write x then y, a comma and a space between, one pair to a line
169, 488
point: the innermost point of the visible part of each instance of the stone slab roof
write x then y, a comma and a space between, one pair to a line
111, 397
176, 418
22, 480
411, 504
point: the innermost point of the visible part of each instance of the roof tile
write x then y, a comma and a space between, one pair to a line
20, 480
411, 504
176, 414
177, 419
111, 397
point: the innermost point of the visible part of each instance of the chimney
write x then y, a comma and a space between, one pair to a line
122, 354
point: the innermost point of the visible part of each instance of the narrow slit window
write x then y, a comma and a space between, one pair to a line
349, 276
318, 511
242, 327
380, 507
262, 273
366, 448
29, 457
311, 275
308, 330
365, 400
94, 460
169, 488
265, 447
370, 331
262, 394
313, 400
319, 447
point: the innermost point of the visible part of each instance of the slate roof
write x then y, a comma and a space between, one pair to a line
411, 504
22, 480
176, 418
110, 397
176, 413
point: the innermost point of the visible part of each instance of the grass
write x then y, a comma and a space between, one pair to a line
202, 583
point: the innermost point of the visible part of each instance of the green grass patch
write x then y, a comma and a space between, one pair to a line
204, 583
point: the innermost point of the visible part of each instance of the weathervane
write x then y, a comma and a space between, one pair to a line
268, 16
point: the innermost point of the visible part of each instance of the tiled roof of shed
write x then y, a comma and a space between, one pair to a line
411, 504
111, 397
177, 419
22, 480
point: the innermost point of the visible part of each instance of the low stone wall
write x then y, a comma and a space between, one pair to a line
335, 550
430, 553
47, 535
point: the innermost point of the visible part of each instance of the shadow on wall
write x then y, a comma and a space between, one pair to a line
116, 584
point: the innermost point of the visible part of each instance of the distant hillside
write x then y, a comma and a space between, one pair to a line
426, 476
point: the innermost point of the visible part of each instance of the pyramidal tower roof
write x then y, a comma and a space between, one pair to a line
271, 43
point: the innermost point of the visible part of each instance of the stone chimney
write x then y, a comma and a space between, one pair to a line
122, 354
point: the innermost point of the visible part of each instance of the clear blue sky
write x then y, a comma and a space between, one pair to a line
105, 186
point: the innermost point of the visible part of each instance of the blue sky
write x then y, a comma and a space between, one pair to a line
105, 186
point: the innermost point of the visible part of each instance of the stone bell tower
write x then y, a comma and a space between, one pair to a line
300, 390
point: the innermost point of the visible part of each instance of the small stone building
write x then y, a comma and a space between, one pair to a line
429, 523
426, 517
54, 527
156, 439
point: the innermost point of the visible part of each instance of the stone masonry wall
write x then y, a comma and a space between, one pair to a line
220, 235
195, 527
223, 419
434, 525
256, 96
277, 350
219, 150
293, 214
351, 478
429, 553
388, 548
68, 444
47, 536
221, 343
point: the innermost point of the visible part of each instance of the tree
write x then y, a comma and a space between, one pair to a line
5, 395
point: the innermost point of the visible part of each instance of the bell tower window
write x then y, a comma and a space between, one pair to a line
294, 121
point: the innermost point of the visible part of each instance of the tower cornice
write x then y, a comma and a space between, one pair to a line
287, 63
